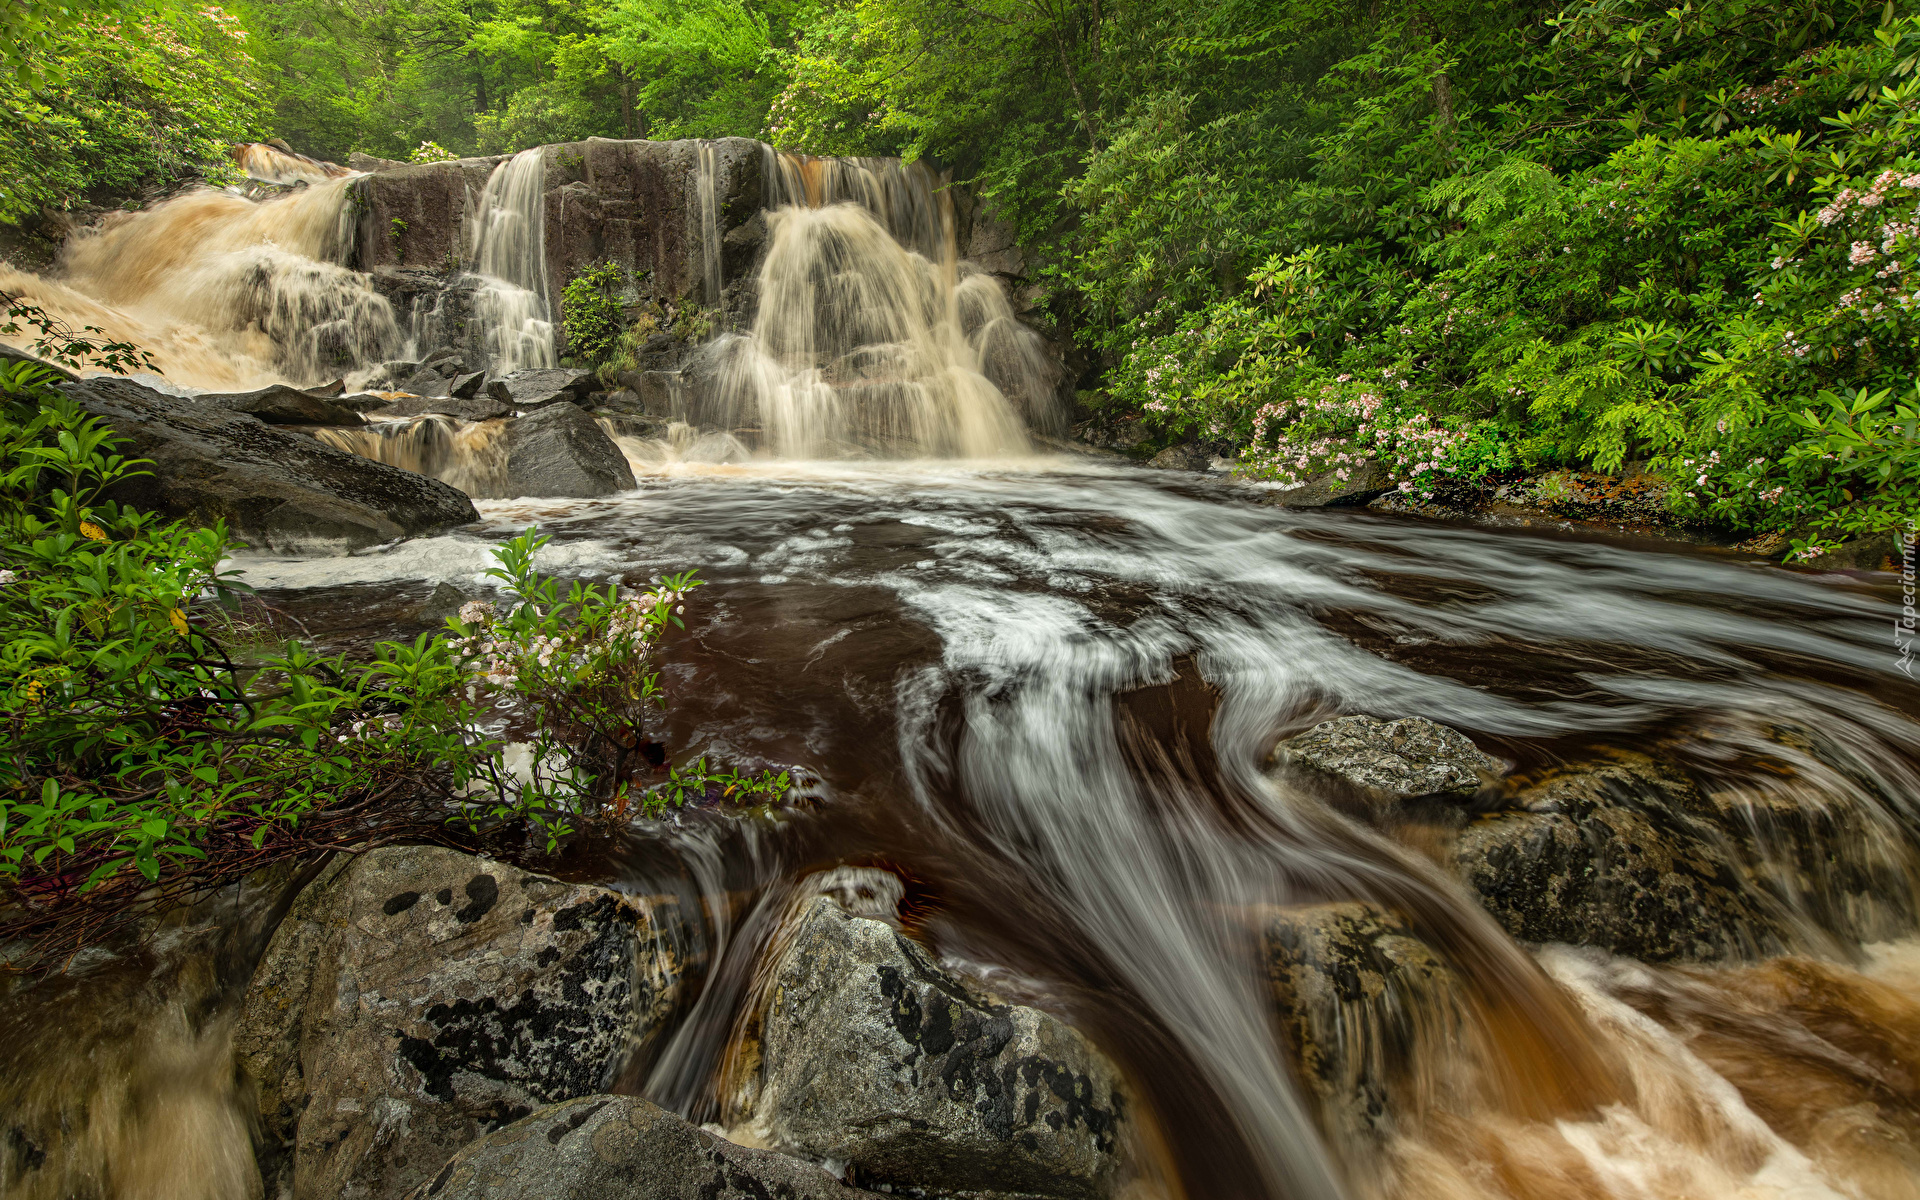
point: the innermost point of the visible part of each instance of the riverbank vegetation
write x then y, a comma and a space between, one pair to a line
1454, 236
162, 739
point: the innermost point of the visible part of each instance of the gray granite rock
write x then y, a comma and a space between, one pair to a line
1184, 457
466, 387
872, 1056
526, 390
1364, 1003
1399, 759
478, 408
417, 998
621, 1148
562, 451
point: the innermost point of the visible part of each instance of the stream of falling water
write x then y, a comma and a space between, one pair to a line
871, 337
506, 243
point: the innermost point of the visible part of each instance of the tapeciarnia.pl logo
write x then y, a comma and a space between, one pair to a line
1903, 625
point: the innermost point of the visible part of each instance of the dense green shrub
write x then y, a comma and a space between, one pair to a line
158, 743
590, 305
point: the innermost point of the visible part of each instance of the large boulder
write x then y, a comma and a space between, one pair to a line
1397, 760
1623, 853
1365, 1004
418, 998
283, 405
539, 387
277, 491
621, 1148
562, 451
870, 1055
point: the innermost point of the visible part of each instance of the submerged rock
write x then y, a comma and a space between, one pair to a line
562, 451
1363, 1001
526, 390
283, 405
277, 491
417, 998
872, 1056
621, 1148
1624, 854
1399, 759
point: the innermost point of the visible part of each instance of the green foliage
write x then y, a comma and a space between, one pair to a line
59, 342
157, 746
591, 308
103, 101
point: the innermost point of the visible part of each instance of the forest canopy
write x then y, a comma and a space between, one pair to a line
1458, 235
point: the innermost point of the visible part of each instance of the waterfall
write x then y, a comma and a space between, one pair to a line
872, 339
705, 197
225, 292
507, 247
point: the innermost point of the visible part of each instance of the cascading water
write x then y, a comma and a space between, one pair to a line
506, 245
225, 292
870, 339
1047, 696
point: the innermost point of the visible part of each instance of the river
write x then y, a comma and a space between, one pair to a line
1045, 692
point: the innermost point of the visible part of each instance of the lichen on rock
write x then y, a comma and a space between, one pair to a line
870, 1055
419, 997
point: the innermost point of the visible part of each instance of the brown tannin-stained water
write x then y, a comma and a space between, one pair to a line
1045, 693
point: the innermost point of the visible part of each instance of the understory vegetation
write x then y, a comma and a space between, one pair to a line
162, 739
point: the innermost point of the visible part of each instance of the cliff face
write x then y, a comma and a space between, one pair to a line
634, 203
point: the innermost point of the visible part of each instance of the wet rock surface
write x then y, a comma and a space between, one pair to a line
621, 1148
1360, 997
416, 998
1185, 457
1622, 853
282, 405
872, 1056
1361, 483
560, 450
540, 387
482, 408
1398, 759
277, 490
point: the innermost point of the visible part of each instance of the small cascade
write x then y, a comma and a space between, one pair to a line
506, 245
470, 455
277, 164
872, 339
224, 291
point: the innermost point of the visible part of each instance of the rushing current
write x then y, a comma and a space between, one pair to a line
1044, 691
